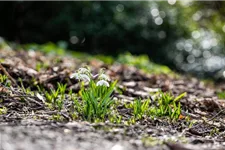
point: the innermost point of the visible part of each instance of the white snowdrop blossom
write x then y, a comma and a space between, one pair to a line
82, 74
75, 75
102, 83
85, 78
104, 77
84, 71
79, 76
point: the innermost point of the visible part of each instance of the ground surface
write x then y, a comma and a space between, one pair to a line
27, 124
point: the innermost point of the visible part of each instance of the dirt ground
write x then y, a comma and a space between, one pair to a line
27, 123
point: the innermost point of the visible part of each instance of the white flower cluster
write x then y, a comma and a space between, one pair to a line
102, 83
103, 80
82, 74
85, 75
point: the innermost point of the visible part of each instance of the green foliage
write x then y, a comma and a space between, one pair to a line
49, 48
55, 98
214, 131
115, 118
167, 105
4, 80
57, 117
40, 66
139, 107
25, 90
221, 94
3, 110
106, 59
96, 99
142, 62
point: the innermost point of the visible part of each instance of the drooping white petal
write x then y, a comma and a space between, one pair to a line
102, 83
85, 77
84, 71
104, 77
75, 75
79, 76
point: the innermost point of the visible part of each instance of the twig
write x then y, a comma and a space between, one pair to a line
210, 119
27, 96
217, 114
8, 75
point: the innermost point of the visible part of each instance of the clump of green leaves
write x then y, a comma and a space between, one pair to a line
96, 97
40, 66
167, 105
25, 90
221, 94
4, 80
56, 97
3, 110
164, 105
139, 107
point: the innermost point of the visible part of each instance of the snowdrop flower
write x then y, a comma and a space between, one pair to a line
79, 76
84, 71
75, 75
104, 77
85, 78
102, 83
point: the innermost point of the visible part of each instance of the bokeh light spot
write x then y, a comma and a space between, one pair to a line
143, 20
155, 12
223, 28
119, 7
196, 52
224, 74
191, 59
162, 34
171, 2
206, 44
206, 54
180, 46
74, 39
158, 21
179, 58
162, 14
197, 16
195, 34
96, 6
188, 47
186, 3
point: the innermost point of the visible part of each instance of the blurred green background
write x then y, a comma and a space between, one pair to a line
188, 36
